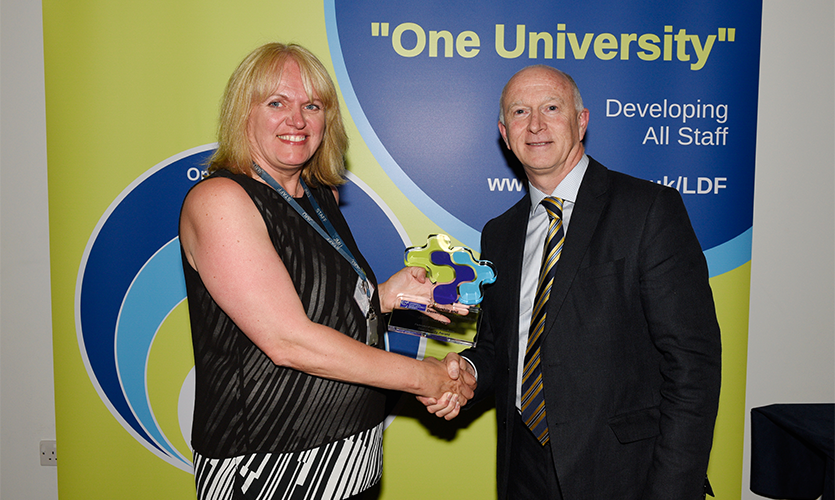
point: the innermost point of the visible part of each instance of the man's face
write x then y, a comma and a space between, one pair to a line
541, 124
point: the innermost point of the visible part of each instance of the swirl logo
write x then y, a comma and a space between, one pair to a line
130, 308
130, 283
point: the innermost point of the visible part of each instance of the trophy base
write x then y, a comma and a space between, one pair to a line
453, 323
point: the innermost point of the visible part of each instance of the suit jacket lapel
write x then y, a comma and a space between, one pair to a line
591, 200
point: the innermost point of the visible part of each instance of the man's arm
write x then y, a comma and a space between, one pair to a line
679, 309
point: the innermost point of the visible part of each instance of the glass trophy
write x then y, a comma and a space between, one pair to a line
452, 314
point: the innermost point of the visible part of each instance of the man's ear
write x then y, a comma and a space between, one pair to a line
503, 131
583, 122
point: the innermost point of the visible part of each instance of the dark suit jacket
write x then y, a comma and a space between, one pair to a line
631, 351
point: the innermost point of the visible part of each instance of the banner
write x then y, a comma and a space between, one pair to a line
132, 99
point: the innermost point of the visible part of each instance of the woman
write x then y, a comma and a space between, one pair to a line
289, 391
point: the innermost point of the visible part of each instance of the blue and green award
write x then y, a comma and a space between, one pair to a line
453, 313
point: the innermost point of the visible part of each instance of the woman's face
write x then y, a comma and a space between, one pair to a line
286, 129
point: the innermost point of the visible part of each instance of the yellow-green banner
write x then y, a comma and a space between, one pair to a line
132, 97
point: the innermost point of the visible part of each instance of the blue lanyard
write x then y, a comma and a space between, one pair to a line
331, 236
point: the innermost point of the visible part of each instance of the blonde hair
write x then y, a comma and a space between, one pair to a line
257, 77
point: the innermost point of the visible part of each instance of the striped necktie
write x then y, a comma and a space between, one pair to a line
533, 400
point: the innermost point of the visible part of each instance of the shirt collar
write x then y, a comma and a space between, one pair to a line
567, 189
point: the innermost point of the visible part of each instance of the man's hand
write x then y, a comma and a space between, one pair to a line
448, 407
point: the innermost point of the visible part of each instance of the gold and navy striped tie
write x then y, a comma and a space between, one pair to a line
533, 399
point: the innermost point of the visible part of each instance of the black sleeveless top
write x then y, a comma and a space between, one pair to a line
244, 403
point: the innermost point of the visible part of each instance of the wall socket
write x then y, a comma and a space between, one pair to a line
49, 452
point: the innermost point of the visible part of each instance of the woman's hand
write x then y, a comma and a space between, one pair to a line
458, 384
408, 281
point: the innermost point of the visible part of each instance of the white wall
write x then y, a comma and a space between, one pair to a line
27, 409
791, 339
792, 324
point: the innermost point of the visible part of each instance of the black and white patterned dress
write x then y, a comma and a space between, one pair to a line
269, 432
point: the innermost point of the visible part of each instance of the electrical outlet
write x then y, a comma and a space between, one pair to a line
49, 452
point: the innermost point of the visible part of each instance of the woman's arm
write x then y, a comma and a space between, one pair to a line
225, 239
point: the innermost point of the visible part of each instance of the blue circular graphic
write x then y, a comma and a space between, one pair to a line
130, 279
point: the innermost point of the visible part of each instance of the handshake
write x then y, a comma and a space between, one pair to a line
441, 274
454, 380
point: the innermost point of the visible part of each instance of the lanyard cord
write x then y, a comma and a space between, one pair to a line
331, 236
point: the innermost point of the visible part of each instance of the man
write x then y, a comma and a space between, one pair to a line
629, 350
